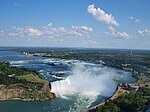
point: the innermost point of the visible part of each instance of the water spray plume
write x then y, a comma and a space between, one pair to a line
85, 80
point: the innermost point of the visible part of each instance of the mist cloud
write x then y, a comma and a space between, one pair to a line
88, 81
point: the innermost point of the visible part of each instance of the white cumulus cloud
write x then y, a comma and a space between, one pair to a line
145, 32
114, 32
101, 15
83, 29
134, 19
76, 30
1, 31
34, 31
48, 31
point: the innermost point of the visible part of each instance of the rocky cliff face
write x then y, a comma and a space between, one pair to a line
47, 88
10, 92
27, 92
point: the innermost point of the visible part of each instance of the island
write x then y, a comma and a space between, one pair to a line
22, 84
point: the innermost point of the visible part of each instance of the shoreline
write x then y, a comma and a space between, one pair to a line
24, 100
122, 87
103, 102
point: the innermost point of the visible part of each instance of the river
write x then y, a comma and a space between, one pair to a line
77, 84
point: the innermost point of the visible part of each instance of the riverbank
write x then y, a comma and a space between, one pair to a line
124, 88
103, 103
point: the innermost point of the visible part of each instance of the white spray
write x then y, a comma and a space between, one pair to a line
89, 81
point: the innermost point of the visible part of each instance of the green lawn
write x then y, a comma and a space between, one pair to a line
31, 78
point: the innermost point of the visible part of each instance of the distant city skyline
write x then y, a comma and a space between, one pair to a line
121, 24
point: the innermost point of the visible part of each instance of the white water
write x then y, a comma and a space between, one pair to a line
88, 81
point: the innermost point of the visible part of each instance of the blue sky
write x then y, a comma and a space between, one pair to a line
75, 23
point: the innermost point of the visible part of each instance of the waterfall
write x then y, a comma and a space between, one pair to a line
62, 87
84, 80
